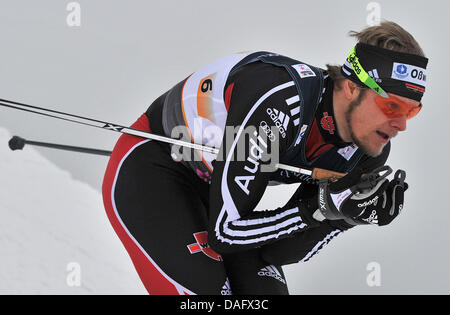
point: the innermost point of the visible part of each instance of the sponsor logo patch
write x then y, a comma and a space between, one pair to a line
304, 71
302, 133
201, 245
327, 123
409, 73
348, 152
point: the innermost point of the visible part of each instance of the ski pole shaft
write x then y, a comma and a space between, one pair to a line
139, 133
101, 124
17, 143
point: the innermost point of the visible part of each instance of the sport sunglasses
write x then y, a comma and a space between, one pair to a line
391, 106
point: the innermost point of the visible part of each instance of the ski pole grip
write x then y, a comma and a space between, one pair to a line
16, 143
320, 173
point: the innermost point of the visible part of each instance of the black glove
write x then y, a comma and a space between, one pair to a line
363, 199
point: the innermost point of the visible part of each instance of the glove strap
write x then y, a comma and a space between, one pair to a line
328, 211
399, 180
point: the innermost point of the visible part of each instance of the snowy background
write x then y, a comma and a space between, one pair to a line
124, 55
49, 221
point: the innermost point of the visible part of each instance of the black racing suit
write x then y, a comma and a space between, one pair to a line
187, 235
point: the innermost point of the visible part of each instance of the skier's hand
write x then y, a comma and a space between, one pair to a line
363, 199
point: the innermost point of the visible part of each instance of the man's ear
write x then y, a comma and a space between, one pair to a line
351, 89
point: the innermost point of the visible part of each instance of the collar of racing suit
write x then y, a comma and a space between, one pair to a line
325, 118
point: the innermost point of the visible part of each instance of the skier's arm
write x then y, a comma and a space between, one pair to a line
301, 247
260, 115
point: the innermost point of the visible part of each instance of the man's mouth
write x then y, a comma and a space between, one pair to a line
384, 136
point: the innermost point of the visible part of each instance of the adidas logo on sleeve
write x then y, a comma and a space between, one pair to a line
280, 119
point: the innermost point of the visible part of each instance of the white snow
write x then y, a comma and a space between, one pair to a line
48, 221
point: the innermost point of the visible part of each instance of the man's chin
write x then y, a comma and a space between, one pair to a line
374, 153
370, 150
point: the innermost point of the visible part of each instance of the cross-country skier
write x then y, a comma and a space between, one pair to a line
187, 218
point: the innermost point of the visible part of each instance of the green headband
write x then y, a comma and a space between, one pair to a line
363, 76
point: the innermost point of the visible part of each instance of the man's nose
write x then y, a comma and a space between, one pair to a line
399, 123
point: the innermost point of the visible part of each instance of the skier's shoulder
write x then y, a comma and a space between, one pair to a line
259, 82
259, 75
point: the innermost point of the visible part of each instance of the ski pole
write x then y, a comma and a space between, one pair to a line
18, 143
315, 173
102, 124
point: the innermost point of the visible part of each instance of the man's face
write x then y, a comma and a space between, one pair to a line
370, 129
